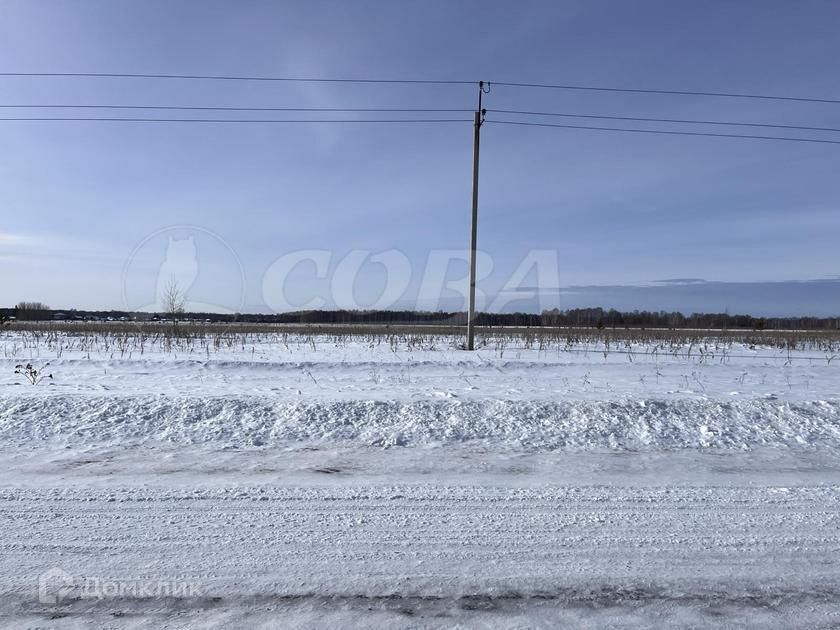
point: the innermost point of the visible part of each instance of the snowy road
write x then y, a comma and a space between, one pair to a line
482, 549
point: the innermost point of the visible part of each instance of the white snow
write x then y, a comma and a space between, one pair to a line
318, 481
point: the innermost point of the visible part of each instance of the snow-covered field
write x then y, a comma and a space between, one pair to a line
295, 481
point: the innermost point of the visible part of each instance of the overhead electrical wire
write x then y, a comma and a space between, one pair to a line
483, 86
404, 121
249, 109
413, 110
236, 120
594, 88
516, 84
660, 131
394, 110
206, 77
665, 120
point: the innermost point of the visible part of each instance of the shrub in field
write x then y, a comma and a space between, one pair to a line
34, 376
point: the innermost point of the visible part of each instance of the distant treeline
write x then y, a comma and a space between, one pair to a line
611, 318
578, 317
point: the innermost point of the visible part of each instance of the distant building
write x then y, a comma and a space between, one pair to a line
59, 316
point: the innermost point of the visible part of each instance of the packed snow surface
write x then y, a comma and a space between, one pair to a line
267, 392
316, 481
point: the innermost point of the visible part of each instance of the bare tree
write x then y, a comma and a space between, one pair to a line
173, 299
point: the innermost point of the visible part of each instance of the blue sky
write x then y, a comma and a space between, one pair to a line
88, 209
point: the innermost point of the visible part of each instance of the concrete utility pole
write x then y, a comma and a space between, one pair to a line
479, 118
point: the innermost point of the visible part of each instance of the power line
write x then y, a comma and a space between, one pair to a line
414, 110
401, 121
236, 120
592, 88
662, 132
249, 109
663, 120
123, 75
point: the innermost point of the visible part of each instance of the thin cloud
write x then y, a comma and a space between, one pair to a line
681, 281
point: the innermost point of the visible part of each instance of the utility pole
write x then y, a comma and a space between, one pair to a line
479, 119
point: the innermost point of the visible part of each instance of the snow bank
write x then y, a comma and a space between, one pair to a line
538, 425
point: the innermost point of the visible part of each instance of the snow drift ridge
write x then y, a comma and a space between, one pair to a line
537, 425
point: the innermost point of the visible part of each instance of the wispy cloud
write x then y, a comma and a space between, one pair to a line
680, 281
24, 247
8, 239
